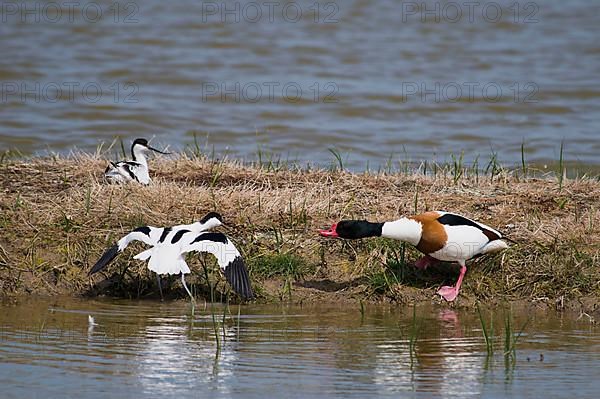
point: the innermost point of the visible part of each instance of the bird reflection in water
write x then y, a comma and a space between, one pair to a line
446, 366
179, 356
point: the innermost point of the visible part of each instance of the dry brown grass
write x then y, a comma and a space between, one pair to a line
57, 217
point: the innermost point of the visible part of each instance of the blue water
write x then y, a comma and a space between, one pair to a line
368, 78
153, 350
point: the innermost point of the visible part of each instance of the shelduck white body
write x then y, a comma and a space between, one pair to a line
170, 244
135, 170
445, 236
441, 236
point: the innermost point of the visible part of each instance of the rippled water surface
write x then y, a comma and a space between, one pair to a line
150, 349
370, 78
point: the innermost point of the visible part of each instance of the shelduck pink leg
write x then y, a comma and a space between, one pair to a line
425, 262
450, 293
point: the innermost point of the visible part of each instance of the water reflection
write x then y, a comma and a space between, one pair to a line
446, 365
157, 349
398, 84
175, 358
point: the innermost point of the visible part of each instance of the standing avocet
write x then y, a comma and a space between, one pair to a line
441, 236
170, 244
135, 170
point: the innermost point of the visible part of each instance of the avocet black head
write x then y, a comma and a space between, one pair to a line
211, 220
140, 145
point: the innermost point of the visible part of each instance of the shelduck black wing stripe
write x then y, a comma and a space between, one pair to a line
106, 258
451, 219
164, 234
237, 276
178, 236
215, 237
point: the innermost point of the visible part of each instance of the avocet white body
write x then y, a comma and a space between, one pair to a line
170, 244
135, 170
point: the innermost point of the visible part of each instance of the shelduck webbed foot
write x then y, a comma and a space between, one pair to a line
448, 293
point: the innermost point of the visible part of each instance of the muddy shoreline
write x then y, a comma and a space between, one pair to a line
58, 215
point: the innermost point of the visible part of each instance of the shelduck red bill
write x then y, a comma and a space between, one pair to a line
331, 232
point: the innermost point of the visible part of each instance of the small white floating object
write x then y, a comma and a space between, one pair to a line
91, 323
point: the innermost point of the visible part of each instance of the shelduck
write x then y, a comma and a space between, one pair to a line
170, 244
135, 170
441, 236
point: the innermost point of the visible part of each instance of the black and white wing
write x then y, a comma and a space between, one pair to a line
228, 257
121, 172
452, 219
469, 238
147, 235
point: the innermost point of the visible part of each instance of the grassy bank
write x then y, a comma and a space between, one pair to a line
58, 216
